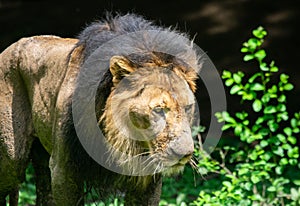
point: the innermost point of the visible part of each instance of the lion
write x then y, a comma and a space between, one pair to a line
144, 105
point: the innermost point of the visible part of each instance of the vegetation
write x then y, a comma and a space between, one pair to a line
260, 165
261, 169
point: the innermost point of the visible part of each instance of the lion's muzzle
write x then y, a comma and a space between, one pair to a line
180, 149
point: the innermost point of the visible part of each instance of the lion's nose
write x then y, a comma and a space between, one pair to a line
182, 147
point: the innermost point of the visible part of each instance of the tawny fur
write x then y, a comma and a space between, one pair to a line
37, 81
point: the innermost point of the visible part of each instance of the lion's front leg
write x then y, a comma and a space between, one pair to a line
67, 188
148, 197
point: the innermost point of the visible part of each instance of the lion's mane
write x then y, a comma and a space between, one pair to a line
95, 35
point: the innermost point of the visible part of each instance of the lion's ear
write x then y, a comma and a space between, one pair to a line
119, 68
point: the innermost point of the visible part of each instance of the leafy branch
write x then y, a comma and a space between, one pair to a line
267, 149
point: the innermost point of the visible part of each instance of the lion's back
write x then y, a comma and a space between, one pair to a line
31, 74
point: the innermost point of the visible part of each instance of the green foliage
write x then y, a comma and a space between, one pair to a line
262, 168
27, 190
178, 191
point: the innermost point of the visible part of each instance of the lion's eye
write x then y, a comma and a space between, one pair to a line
158, 110
140, 121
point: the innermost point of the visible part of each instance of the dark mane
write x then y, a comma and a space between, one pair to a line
105, 30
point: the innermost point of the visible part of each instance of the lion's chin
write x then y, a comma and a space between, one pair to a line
173, 170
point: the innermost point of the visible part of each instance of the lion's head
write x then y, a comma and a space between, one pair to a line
150, 110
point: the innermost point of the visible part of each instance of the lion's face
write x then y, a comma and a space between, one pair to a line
153, 108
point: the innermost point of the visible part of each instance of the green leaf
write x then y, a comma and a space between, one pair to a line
254, 179
281, 138
286, 146
244, 49
273, 89
253, 156
227, 117
296, 182
257, 87
264, 143
273, 125
270, 110
296, 130
238, 77
226, 74
293, 161
263, 66
229, 82
293, 153
288, 131
251, 79
235, 89
259, 32
279, 151
294, 123
271, 189
259, 120
219, 116
288, 87
253, 138
257, 105
284, 78
238, 129
253, 43
243, 171
266, 98
274, 69
295, 194
264, 131
260, 54
282, 98
283, 115
248, 57
248, 186
281, 107
279, 170
227, 184
246, 122
226, 126
266, 157
241, 115
245, 134
248, 96
283, 161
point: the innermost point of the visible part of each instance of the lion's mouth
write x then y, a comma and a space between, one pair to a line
173, 170
177, 162
174, 167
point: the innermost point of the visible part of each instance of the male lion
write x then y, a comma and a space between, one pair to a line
148, 117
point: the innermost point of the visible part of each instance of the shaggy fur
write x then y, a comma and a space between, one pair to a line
39, 60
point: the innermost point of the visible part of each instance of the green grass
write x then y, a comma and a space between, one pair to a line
176, 190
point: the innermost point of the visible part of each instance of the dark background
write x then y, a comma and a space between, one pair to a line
220, 28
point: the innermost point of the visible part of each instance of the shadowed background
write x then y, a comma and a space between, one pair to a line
219, 27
